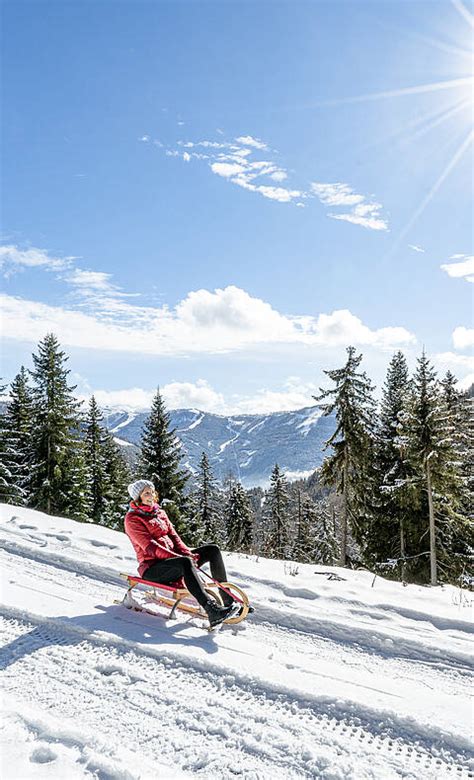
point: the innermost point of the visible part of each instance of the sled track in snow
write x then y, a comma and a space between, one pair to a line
369, 640
86, 675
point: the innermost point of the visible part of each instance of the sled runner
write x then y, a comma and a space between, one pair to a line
179, 598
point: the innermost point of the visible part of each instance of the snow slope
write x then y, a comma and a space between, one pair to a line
333, 676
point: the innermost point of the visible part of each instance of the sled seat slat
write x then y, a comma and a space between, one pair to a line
178, 593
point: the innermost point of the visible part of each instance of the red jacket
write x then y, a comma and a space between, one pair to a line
152, 535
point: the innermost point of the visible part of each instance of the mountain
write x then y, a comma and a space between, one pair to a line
336, 675
248, 446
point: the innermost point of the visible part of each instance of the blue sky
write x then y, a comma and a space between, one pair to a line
220, 197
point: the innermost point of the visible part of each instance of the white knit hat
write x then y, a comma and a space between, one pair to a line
135, 489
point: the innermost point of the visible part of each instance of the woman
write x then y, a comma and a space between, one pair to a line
163, 556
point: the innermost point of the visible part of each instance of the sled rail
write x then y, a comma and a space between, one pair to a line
178, 598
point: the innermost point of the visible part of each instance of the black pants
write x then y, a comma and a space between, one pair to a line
172, 569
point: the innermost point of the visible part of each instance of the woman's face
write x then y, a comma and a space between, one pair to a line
147, 496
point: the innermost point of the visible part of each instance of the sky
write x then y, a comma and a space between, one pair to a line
218, 198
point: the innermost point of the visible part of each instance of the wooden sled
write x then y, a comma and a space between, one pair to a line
181, 599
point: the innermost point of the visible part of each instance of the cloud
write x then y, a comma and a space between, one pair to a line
364, 213
454, 361
462, 270
91, 280
234, 161
416, 248
466, 383
176, 395
13, 259
463, 338
247, 140
208, 322
227, 169
337, 194
294, 394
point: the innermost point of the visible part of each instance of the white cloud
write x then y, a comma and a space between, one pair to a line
227, 169
464, 269
279, 176
224, 320
144, 138
463, 338
454, 361
416, 248
294, 394
337, 194
13, 259
96, 280
466, 383
364, 213
342, 328
247, 140
186, 156
176, 395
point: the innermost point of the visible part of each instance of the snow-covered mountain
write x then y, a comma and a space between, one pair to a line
248, 446
336, 676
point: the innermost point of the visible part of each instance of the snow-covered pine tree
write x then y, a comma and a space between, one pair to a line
430, 436
276, 516
10, 490
386, 538
58, 472
117, 477
349, 469
19, 423
93, 448
302, 546
159, 461
460, 528
325, 543
206, 517
238, 518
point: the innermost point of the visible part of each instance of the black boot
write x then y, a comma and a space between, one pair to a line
217, 614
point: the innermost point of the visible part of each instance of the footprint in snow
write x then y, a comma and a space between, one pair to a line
43, 755
96, 543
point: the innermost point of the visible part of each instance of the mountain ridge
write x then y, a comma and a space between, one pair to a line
245, 445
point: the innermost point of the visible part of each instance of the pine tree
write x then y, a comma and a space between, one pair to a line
238, 518
206, 519
117, 477
19, 424
58, 473
10, 491
276, 516
107, 472
325, 543
386, 539
349, 469
303, 547
429, 431
93, 447
159, 461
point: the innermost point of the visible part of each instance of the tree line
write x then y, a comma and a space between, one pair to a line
392, 494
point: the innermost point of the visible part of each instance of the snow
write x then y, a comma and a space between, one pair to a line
335, 677
293, 475
122, 442
310, 421
129, 419
197, 421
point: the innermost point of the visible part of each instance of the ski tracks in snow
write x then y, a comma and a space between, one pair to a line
131, 680
220, 726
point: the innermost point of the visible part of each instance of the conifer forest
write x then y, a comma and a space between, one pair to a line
393, 493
